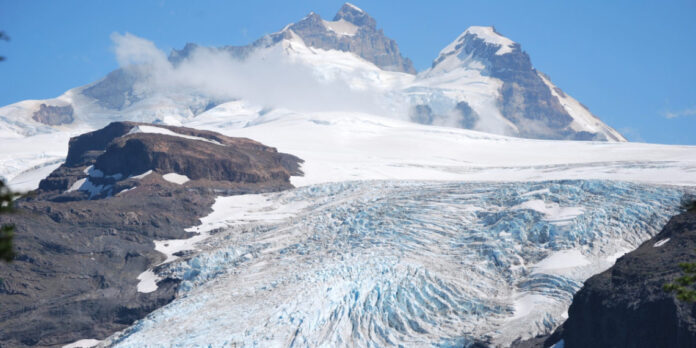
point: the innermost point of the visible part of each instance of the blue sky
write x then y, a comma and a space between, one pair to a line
630, 62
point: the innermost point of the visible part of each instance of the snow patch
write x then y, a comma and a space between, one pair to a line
86, 185
125, 190
527, 304
354, 7
93, 172
83, 343
176, 178
583, 119
661, 242
227, 211
341, 27
554, 213
148, 281
165, 131
243, 209
489, 35
615, 256
561, 260
29, 179
140, 176
76, 185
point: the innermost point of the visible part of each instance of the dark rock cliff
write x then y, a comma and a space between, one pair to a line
54, 115
626, 306
368, 42
79, 254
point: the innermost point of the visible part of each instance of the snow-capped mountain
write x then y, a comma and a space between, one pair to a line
420, 214
481, 81
504, 94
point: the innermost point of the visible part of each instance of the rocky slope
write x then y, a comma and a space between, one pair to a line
625, 306
84, 237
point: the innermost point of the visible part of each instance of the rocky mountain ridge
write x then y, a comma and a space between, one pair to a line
481, 81
85, 237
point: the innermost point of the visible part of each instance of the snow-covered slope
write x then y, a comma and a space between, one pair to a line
339, 146
352, 146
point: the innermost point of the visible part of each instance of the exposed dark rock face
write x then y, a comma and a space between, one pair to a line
115, 91
526, 100
79, 255
368, 42
54, 115
626, 306
422, 114
116, 155
469, 117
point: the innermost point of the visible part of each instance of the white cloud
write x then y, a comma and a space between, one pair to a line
269, 77
681, 113
131, 49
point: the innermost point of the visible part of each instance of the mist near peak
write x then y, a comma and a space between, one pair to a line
270, 77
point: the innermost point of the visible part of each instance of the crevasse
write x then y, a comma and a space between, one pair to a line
372, 264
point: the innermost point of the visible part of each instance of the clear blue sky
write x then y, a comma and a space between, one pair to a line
633, 63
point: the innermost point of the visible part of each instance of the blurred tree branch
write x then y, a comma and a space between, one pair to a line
3, 36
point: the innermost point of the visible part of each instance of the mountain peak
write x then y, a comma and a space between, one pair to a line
353, 14
491, 36
485, 35
351, 30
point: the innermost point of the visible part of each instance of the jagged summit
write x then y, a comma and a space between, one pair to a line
351, 30
493, 43
482, 81
527, 103
492, 37
353, 14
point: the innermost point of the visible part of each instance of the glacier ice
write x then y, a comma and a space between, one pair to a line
381, 263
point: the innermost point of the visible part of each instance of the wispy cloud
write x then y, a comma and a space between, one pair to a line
688, 112
268, 78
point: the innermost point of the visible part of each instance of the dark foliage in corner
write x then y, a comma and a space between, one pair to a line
684, 285
688, 203
6, 231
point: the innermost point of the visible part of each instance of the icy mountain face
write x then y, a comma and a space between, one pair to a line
523, 101
353, 30
410, 263
481, 81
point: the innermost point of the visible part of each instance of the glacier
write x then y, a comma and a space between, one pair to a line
398, 263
